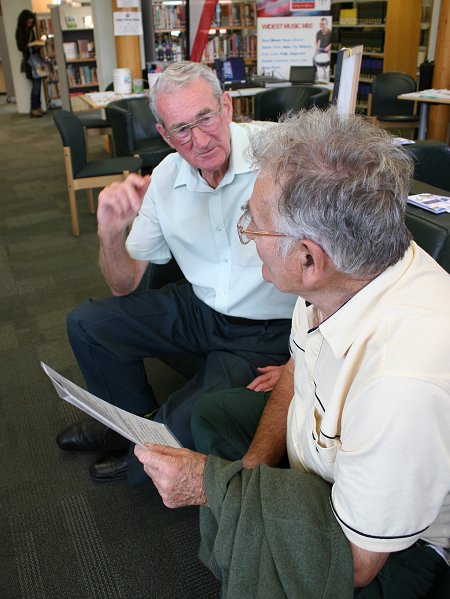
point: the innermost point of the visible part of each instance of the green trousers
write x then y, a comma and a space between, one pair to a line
224, 423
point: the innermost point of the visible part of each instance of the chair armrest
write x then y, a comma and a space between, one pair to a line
121, 122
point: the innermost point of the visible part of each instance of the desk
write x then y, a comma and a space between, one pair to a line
99, 100
426, 97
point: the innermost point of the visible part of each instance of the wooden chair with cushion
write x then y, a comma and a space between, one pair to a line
84, 174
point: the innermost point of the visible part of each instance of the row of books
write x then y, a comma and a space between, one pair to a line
234, 15
362, 97
348, 16
168, 17
226, 46
372, 14
364, 13
373, 41
79, 49
167, 49
81, 75
371, 67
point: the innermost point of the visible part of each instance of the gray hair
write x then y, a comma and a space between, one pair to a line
179, 75
344, 185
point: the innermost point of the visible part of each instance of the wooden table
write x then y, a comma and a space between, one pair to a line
98, 100
425, 98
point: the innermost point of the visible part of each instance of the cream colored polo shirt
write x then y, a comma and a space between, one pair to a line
371, 407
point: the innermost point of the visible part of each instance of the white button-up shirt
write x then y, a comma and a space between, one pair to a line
183, 216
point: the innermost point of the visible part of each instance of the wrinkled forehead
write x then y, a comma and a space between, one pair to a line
178, 105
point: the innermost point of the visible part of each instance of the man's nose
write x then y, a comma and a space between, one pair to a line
199, 137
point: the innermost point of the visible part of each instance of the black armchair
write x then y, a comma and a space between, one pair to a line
383, 104
134, 131
272, 103
431, 162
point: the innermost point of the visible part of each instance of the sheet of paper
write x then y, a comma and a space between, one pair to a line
136, 429
430, 201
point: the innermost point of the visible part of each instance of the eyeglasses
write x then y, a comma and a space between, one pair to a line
244, 231
207, 123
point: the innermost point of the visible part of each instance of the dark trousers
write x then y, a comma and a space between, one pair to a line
111, 337
224, 424
35, 101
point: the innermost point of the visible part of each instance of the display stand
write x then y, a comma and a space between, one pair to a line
345, 90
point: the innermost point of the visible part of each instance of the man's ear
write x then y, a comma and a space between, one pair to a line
227, 106
164, 135
313, 261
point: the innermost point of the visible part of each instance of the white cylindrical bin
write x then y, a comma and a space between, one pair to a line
122, 81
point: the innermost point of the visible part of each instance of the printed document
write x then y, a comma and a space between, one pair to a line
136, 429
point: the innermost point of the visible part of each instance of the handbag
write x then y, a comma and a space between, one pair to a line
38, 67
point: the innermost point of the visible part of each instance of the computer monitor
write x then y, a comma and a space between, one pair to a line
230, 70
302, 75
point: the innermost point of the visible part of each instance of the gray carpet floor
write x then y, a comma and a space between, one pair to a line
62, 535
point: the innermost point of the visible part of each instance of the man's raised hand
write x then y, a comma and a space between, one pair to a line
119, 203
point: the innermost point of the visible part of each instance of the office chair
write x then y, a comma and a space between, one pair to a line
274, 102
84, 174
383, 104
134, 131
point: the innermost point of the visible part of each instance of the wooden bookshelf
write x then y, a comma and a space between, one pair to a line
233, 33
75, 52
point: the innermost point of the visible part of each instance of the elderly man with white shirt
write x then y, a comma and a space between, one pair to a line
234, 323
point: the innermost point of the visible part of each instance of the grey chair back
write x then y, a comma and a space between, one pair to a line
72, 135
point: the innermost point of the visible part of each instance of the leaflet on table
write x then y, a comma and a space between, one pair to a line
435, 94
136, 429
104, 98
430, 201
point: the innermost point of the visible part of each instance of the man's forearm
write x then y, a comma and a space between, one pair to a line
269, 443
118, 268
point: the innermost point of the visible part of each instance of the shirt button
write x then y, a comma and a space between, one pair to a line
219, 228
225, 259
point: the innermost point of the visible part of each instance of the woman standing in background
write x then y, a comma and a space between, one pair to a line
28, 44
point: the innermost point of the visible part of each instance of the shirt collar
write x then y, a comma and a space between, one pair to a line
342, 327
190, 176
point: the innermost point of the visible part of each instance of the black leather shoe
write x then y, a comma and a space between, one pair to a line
85, 435
110, 467
90, 435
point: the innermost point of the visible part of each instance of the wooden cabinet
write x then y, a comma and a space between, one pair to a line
75, 52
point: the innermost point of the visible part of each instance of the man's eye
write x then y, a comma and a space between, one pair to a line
206, 120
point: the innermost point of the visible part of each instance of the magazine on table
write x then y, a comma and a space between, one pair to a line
431, 202
134, 428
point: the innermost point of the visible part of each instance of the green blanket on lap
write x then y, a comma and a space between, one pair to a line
271, 533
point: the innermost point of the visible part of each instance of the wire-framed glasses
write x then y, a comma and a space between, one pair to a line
208, 123
244, 232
